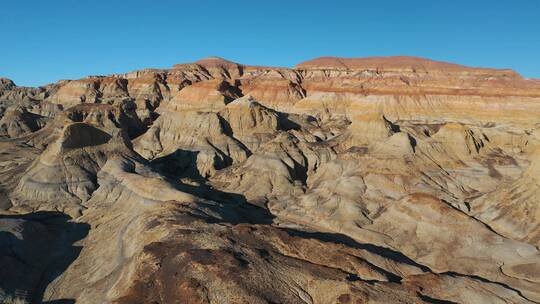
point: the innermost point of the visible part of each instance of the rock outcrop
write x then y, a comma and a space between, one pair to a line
341, 180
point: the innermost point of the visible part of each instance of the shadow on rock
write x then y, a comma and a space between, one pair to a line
179, 164
233, 207
337, 238
61, 301
35, 249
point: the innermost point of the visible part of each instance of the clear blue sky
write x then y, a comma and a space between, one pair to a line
44, 41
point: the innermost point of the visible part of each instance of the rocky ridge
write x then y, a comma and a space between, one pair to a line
341, 180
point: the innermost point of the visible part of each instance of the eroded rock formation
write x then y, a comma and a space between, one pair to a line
369, 180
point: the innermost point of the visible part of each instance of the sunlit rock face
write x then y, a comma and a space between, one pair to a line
341, 180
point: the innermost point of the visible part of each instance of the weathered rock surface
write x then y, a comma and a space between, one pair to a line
342, 180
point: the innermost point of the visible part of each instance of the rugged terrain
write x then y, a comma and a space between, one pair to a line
368, 180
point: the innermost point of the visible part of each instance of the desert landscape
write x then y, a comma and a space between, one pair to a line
340, 180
